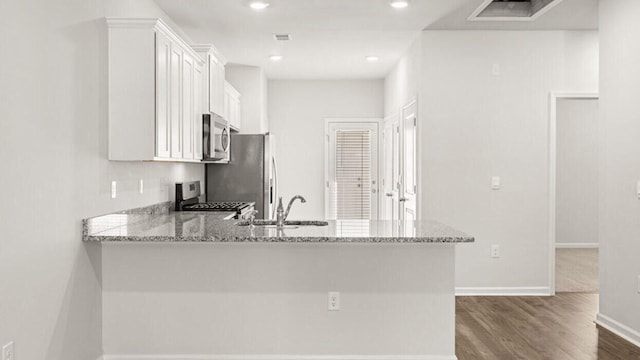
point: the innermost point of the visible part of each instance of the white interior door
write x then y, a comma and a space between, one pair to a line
391, 163
352, 170
408, 184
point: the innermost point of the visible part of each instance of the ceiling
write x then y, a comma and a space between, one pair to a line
331, 38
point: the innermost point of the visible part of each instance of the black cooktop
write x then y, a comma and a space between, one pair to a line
217, 206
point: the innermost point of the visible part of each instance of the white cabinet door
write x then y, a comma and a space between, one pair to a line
175, 101
227, 103
198, 107
163, 123
221, 81
236, 113
232, 106
187, 108
216, 86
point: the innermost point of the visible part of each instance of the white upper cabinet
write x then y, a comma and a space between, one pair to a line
163, 123
156, 93
216, 84
215, 75
176, 102
199, 108
232, 106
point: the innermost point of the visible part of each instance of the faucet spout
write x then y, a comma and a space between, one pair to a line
297, 197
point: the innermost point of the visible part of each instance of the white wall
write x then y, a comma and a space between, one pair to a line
403, 82
620, 167
251, 82
54, 172
297, 110
474, 125
577, 171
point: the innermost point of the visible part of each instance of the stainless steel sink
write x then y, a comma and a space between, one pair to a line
288, 223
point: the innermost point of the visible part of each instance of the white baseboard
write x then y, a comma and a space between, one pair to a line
504, 291
619, 329
577, 245
279, 357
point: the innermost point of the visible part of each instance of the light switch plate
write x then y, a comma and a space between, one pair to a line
495, 183
141, 186
8, 351
114, 187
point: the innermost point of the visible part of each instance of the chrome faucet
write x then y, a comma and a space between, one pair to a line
281, 214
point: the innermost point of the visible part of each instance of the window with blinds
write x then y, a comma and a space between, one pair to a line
352, 174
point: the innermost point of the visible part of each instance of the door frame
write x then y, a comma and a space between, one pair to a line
393, 119
413, 101
327, 123
554, 96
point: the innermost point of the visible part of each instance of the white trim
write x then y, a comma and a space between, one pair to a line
418, 158
279, 357
553, 101
156, 24
476, 12
619, 329
327, 123
577, 245
504, 291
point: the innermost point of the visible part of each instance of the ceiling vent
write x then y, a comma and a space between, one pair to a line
512, 10
282, 37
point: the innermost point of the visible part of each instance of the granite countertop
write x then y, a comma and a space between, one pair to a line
169, 226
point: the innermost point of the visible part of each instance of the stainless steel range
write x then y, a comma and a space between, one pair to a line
188, 199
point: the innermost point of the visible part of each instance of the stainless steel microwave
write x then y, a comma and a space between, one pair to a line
216, 139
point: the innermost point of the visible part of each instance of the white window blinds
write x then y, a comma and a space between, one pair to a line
352, 174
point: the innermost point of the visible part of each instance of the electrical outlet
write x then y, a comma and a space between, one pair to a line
141, 186
8, 352
114, 187
333, 301
495, 251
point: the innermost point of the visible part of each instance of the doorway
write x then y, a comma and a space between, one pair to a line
400, 164
391, 168
351, 170
574, 185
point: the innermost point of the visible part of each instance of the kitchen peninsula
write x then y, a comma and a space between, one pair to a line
262, 293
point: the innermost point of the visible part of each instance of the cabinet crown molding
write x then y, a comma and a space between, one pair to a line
210, 49
135, 22
156, 24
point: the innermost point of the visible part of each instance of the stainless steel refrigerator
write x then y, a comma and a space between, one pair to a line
250, 175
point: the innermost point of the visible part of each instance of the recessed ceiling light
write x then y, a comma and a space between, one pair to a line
399, 4
372, 58
259, 5
276, 57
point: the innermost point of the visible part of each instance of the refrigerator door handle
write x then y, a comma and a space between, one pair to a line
274, 189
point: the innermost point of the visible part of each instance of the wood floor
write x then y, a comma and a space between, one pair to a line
559, 327
577, 270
